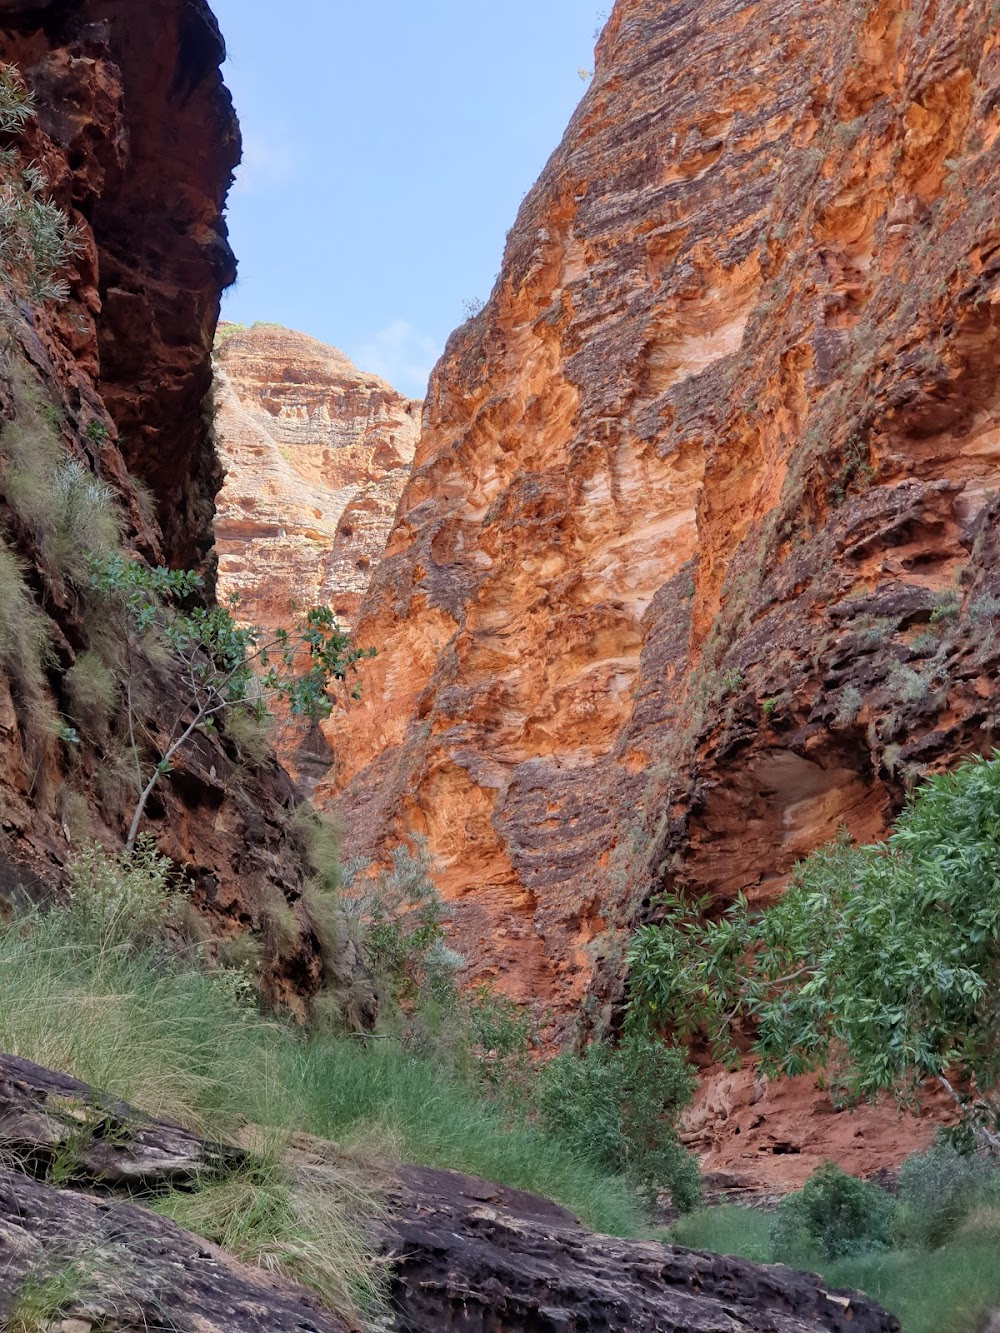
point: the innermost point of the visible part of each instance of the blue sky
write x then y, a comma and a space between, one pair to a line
388, 146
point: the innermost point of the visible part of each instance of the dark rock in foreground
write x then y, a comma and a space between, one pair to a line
477, 1257
466, 1255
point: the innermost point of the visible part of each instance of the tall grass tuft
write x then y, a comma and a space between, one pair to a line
85, 989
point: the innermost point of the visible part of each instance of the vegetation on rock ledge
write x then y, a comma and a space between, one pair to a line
878, 966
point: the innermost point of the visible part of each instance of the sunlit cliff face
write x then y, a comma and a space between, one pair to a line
696, 562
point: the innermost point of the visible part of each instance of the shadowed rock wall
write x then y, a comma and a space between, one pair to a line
136, 135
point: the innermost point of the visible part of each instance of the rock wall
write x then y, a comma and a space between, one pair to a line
136, 136
316, 455
698, 560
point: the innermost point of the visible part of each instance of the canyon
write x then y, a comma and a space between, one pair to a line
697, 563
688, 561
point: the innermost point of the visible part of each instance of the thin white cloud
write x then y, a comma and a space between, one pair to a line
266, 163
400, 355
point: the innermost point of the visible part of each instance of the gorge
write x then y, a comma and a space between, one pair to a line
686, 566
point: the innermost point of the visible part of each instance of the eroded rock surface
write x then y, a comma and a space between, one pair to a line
698, 560
131, 1271
477, 1257
464, 1254
136, 136
316, 454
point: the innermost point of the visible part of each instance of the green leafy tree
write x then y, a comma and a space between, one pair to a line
880, 964
218, 664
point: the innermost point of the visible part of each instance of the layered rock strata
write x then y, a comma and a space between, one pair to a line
135, 135
316, 455
698, 561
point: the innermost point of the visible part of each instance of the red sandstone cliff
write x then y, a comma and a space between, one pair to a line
316, 455
699, 556
136, 137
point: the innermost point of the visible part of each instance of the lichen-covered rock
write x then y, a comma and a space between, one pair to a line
698, 559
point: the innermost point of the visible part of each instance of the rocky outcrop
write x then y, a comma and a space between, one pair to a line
135, 134
89, 1260
460, 1253
316, 455
472, 1256
698, 559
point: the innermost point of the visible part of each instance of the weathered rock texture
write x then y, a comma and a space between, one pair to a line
128, 1269
136, 135
316, 455
699, 556
461, 1253
473, 1256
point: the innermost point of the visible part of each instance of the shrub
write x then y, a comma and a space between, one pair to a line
878, 960
617, 1107
83, 522
250, 735
71, 513
939, 1189
280, 927
318, 843
24, 632
502, 1034
36, 238
400, 917
119, 901
833, 1216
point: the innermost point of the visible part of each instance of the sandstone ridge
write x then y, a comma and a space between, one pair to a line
316, 454
698, 560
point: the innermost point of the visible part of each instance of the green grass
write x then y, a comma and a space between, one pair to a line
186, 1045
938, 1291
376, 1093
727, 1229
308, 1229
947, 1290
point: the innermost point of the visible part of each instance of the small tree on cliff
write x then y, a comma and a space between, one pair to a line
880, 964
216, 665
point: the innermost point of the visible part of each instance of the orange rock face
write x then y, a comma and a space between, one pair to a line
699, 557
316, 454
